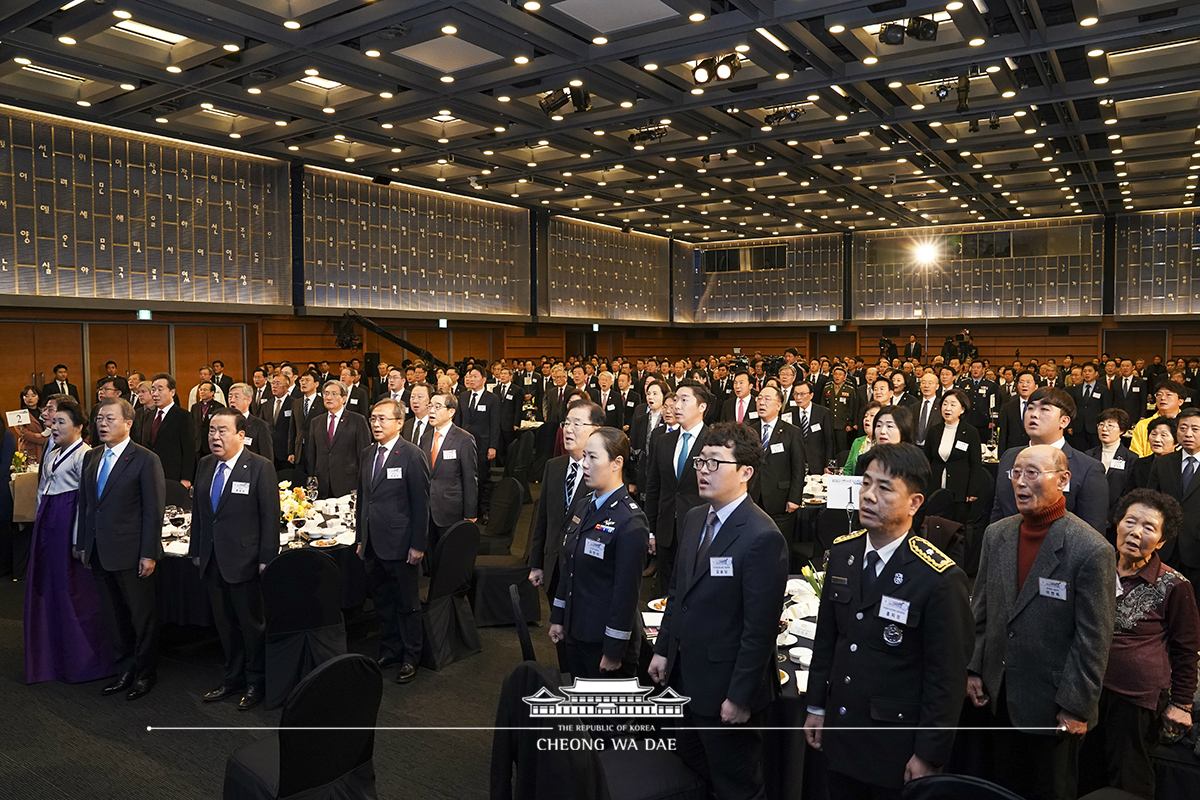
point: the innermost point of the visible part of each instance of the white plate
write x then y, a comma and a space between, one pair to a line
783, 678
659, 604
784, 639
801, 655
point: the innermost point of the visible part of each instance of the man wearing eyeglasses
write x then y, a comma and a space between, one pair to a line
1043, 606
1174, 474
1168, 402
453, 485
716, 644
1048, 413
393, 523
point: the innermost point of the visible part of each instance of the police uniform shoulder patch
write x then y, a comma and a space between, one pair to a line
633, 505
924, 550
849, 536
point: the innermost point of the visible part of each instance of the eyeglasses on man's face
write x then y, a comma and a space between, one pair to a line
1030, 474
702, 464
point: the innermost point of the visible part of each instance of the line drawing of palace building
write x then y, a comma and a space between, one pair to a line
590, 697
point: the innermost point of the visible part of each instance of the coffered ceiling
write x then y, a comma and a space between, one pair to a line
969, 111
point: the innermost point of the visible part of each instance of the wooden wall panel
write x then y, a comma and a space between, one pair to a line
471, 342
548, 340
20, 364
149, 349
225, 343
60, 343
191, 352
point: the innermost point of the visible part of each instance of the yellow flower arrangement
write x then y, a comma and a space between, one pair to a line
293, 503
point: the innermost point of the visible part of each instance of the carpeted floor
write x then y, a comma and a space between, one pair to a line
66, 741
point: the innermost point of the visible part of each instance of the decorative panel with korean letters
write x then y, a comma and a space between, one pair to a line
1158, 254
599, 272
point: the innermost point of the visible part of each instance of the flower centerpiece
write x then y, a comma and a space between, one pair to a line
293, 504
18, 463
815, 579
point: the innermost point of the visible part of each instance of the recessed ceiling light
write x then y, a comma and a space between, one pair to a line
235, 136
1088, 22
23, 61
918, 106
387, 126
372, 54
174, 70
339, 136
503, 98
120, 14
837, 28
161, 120
66, 40
869, 60
292, 25
742, 48
293, 147
782, 76
697, 91
231, 48
531, 5
254, 90
499, 129
349, 160
696, 16
281, 122
397, 149
449, 30
447, 79
328, 109
521, 60
977, 41
83, 103
312, 72
1095, 52
626, 104
386, 95
443, 140
576, 83
599, 40
129, 87
650, 67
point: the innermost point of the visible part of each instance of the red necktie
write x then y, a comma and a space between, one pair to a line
154, 428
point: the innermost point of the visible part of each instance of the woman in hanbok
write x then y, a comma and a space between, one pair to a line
65, 637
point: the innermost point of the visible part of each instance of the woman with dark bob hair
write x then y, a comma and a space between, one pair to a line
1151, 676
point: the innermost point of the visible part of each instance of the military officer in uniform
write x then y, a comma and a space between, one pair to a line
894, 633
842, 402
595, 612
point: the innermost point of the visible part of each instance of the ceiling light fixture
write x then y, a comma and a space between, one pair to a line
704, 71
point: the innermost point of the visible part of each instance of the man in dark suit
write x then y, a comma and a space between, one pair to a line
982, 392
108, 389
563, 494
277, 412
259, 439
897, 593
235, 534
395, 388
453, 484
512, 400
1044, 617
335, 441
122, 384
122, 496
202, 410
1175, 474
393, 523
628, 400
716, 644
913, 349
816, 428
60, 384
1012, 415
1047, 415
1091, 397
479, 415
778, 484
262, 392
671, 488
605, 396
418, 428
220, 379
169, 432
740, 407
357, 399
306, 407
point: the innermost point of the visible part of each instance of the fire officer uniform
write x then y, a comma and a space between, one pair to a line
600, 573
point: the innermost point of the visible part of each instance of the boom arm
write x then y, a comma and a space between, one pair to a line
371, 325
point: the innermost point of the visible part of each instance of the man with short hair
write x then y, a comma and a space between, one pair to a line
740, 407
357, 399
1168, 401
235, 534
262, 391
983, 401
453, 485
169, 432
894, 591
222, 381
1047, 414
206, 374
258, 438
392, 532
1130, 392
118, 536
277, 412
778, 484
605, 397
307, 406
816, 427
61, 384
842, 403
479, 415
1044, 615
418, 428
110, 371
1174, 474
512, 401
106, 390
716, 643
1012, 414
1091, 397
335, 441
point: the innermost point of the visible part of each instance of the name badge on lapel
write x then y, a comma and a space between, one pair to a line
894, 609
481, 408
777, 447
449, 455
250, 441
288, 413
815, 428
353, 402
240, 487
753, 415
1117, 463
630, 404
611, 407
1054, 589
960, 446
720, 566
395, 473
593, 548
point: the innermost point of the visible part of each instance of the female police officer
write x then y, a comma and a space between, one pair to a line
595, 611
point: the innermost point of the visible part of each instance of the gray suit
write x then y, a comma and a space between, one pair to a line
1047, 653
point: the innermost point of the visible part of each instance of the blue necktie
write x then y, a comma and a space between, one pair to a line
218, 485
766, 434
683, 453
105, 468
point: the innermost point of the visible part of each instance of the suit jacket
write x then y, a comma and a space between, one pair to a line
729, 409
512, 400
454, 481
243, 531
1166, 475
1012, 427
483, 423
629, 406
984, 403
913, 350
668, 498
639, 450
1087, 409
1087, 494
1134, 401
393, 503
901, 673
426, 435
727, 625
818, 445
359, 401
611, 407
259, 439
224, 383
52, 388
200, 423
779, 480
300, 422
175, 444
964, 468
554, 412
281, 426
124, 524
1118, 475
336, 464
1047, 653
552, 517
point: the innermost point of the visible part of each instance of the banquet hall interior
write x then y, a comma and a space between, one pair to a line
448, 183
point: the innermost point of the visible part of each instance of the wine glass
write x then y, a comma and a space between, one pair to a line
832, 467
310, 489
177, 518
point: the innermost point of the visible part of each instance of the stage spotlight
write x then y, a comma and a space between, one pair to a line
703, 72
973, 126
728, 66
554, 101
647, 135
704, 159
942, 92
994, 121
581, 99
964, 95
922, 29
892, 33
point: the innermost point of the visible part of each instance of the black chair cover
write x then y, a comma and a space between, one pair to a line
344, 692
495, 575
450, 632
514, 599
293, 476
503, 514
955, 787
521, 462
301, 591
650, 775
179, 495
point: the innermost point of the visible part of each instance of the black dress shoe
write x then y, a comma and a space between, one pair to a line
252, 697
223, 691
388, 661
140, 688
407, 673
123, 682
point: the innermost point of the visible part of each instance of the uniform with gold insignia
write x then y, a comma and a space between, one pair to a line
843, 409
600, 573
893, 656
